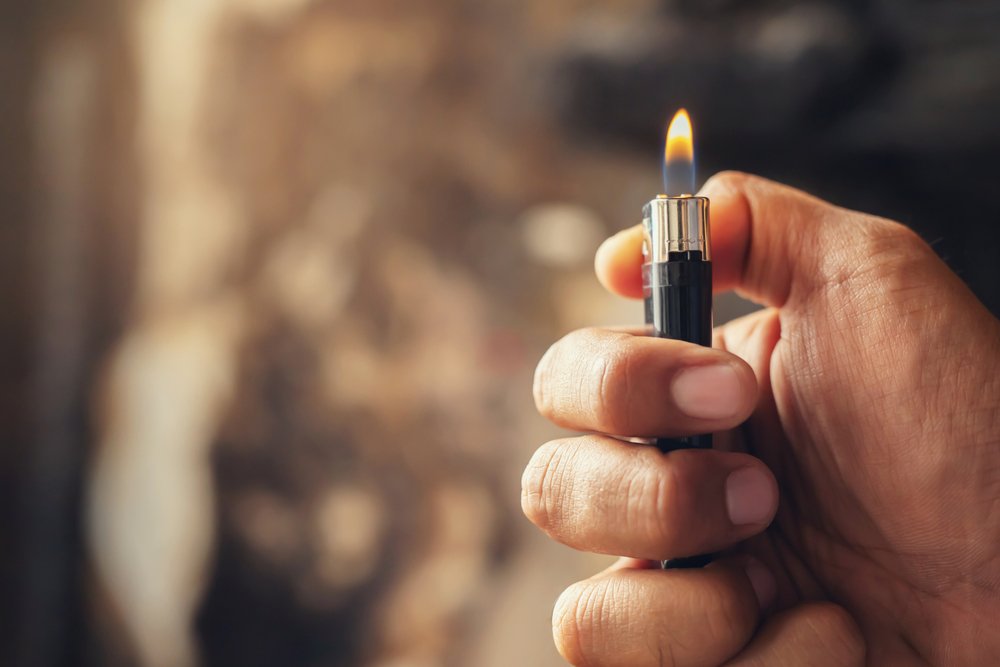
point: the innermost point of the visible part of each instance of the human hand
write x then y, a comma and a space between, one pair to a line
869, 387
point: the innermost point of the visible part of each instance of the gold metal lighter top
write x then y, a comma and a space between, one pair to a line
675, 224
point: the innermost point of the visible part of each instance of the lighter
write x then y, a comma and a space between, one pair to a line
677, 269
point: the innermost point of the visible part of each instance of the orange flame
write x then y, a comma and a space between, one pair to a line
680, 139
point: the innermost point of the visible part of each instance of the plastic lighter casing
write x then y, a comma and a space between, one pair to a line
677, 286
677, 280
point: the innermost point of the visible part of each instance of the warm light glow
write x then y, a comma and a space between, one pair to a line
680, 140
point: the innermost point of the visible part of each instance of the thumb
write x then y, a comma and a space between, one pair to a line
769, 241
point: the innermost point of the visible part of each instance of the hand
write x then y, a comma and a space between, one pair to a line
867, 393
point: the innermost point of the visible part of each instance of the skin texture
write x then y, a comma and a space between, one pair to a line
858, 439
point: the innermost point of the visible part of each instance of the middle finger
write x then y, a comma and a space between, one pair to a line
599, 494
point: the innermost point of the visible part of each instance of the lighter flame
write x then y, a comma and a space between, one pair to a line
680, 139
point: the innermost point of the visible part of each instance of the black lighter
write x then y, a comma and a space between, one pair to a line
677, 270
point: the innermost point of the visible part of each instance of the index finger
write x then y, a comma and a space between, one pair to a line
613, 382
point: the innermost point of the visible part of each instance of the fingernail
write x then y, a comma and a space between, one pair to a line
749, 496
708, 392
764, 585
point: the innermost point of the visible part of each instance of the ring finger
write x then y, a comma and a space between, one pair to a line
688, 618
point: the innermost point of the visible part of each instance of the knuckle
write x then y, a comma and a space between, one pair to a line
543, 484
542, 380
564, 378
882, 237
580, 619
571, 623
659, 507
608, 391
880, 250
838, 633
893, 269
586, 376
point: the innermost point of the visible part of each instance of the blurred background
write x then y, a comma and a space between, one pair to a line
276, 274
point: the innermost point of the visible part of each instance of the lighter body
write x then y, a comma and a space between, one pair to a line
677, 288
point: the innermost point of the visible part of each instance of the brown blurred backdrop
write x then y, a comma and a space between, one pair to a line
276, 274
